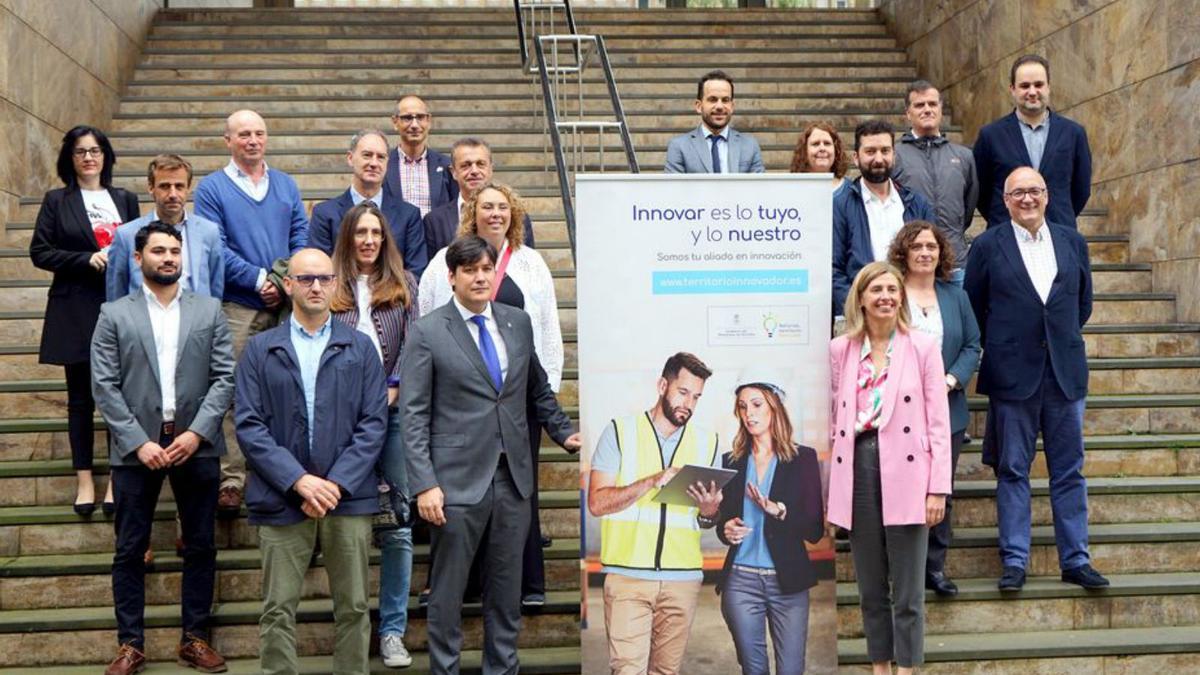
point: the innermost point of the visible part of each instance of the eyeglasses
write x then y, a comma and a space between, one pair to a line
409, 119
306, 280
84, 152
1021, 193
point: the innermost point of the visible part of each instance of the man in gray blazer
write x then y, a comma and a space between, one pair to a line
162, 377
469, 370
714, 146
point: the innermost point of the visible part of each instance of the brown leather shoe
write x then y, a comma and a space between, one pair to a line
129, 660
229, 502
196, 653
148, 559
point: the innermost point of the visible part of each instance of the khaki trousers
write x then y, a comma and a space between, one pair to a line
648, 623
244, 323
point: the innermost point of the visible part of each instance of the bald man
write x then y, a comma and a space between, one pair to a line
415, 173
1030, 285
262, 219
311, 408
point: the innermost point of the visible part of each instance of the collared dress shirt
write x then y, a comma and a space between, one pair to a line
1037, 252
357, 199
722, 147
309, 348
1035, 138
164, 323
414, 180
885, 217
492, 329
871, 386
256, 191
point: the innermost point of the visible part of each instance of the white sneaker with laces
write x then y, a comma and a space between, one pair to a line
391, 648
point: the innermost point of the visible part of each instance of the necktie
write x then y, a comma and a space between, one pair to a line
716, 155
487, 349
371, 203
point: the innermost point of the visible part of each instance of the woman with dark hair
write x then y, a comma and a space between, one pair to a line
377, 296
74, 228
768, 510
819, 150
939, 308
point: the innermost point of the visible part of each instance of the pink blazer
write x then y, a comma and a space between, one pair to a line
914, 433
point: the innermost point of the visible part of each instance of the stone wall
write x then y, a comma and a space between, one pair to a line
1128, 70
63, 63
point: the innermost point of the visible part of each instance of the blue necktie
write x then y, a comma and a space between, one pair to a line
487, 349
716, 155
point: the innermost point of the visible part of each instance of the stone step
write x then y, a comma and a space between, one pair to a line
1116, 548
534, 660
1110, 500
85, 580
1138, 340
266, 19
1122, 455
47, 530
1123, 413
1110, 650
1132, 601
91, 635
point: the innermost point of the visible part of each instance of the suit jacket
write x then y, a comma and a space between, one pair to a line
1020, 333
442, 187
914, 430
692, 153
960, 347
441, 226
205, 258
798, 485
455, 422
403, 218
127, 385
1066, 166
272, 423
63, 243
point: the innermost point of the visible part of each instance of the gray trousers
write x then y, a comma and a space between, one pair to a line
504, 515
750, 600
893, 618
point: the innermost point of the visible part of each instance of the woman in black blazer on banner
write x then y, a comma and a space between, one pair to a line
768, 510
71, 237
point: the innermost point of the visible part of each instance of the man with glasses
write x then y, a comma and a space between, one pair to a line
1033, 135
415, 173
1030, 286
311, 409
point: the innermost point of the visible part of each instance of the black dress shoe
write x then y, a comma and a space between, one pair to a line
109, 508
547, 542
1013, 579
85, 509
1085, 575
940, 584
423, 598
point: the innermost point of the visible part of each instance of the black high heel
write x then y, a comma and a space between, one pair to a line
108, 507
85, 509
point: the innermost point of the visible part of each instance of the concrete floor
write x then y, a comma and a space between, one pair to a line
710, 649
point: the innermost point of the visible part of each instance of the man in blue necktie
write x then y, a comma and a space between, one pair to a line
714, 146
469, 371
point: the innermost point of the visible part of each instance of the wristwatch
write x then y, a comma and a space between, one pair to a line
704, 521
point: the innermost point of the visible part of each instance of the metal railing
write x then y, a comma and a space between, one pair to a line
560, 62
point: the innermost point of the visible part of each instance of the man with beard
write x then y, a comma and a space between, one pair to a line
714, 146
651, 552
866, 220
1032, 135
162, 376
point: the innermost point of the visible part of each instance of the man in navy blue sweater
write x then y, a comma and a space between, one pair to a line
261, 218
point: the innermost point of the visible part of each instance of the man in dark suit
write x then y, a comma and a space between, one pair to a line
471, 167
1030, 286
368, 159
469, 370
1033, 135
714, 146
162, 365
415, 173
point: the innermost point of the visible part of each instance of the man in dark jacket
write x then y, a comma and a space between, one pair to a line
311, 416
866, 220
941, 171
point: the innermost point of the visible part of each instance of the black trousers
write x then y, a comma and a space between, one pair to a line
81, 429
939, 535
136, 490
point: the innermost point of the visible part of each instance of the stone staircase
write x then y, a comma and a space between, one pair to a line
318, 75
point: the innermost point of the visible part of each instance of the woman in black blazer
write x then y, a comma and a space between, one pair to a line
74, 228
768, 510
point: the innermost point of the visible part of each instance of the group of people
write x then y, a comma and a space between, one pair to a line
924, 308
397, 353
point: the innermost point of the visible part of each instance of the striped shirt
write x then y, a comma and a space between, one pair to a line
414, 181
871, 384
1037, 252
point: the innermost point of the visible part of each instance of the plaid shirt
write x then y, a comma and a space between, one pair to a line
1037, 252
414, 181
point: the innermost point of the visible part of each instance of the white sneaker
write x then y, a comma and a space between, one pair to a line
391, 648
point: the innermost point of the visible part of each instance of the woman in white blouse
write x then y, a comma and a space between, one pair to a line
523, 280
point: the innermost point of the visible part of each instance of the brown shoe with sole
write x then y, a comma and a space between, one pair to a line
198, 654
129, 660
229, 502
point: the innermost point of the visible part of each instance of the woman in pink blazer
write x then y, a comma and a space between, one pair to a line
890, 475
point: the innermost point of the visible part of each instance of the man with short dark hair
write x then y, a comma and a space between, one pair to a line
368, 159
869, 212
415, 173
650, 591
471, 166
162, 376
468, 450
941, 171
1033, 135
714, 146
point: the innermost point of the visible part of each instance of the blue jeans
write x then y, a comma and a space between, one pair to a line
748, 601
395, 572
